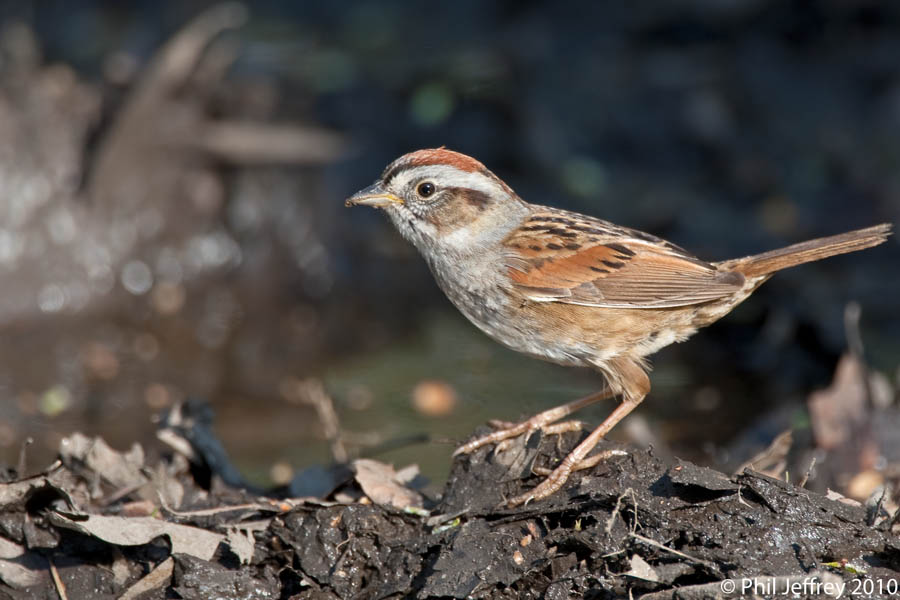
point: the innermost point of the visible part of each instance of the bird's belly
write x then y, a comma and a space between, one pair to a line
592, 336
499, 316
566, 334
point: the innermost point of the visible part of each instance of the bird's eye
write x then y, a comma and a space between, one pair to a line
425, 189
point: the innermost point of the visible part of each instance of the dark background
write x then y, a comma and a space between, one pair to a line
726, 127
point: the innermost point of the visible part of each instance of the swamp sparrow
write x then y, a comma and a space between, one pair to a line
565, 287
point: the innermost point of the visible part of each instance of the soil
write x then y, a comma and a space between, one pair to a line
635, 525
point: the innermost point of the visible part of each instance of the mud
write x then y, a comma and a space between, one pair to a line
635, 524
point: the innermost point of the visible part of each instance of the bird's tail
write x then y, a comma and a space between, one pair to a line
775, 260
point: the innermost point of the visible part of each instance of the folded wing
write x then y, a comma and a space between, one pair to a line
563, 257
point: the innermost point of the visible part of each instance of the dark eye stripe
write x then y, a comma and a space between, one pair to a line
392, 170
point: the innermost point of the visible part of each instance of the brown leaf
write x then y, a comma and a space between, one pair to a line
383, 484
838, 411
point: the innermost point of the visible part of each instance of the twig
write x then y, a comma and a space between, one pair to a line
852, 315
280, 506
874, 511
893, 521
612, 517
23, 454
772, 459
173, 65
153, 580
120, 493
314, 394
660, 546
812, 464
634, 506
57, 581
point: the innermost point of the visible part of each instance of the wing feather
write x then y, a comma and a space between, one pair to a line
559, 256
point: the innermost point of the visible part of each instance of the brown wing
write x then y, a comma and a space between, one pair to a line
558, 256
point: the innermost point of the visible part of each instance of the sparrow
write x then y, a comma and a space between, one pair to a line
565, 287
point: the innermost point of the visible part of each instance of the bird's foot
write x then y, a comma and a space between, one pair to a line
544, 420
507, 431
557, 477
588, 463
550, 485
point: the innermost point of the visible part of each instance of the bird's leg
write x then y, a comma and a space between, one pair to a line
558, 477
544, 420
636, 385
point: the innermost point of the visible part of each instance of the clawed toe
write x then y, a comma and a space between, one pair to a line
587, 463
558, 477
544, 421
503, 445
503, 436
561, 428
549, 486
575, 460
496, 437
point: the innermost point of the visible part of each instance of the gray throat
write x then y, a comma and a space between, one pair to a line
473, 274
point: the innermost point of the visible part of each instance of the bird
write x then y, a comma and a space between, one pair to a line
565, 287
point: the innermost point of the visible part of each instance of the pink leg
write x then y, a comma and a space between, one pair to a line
637, 385
539, 421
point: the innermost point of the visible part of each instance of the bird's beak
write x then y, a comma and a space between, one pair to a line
374, 195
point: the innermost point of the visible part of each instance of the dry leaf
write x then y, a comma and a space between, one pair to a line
837, 411
154, 580
120, 469
136, 531
641, 569
19, 568
241, 541
384, 485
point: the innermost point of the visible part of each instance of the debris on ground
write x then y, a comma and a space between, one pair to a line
102, 523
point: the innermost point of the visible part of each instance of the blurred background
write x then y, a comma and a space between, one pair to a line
172, 176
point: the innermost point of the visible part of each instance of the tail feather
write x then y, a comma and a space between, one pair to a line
768, 262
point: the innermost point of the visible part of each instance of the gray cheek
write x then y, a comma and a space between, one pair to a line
410, 226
